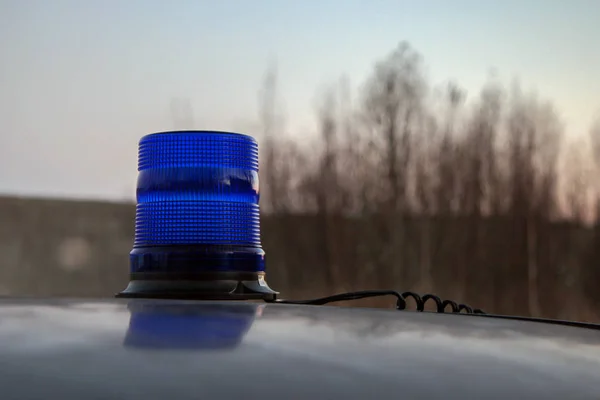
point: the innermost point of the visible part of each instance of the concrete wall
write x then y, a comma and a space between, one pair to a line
52, 247
64, 248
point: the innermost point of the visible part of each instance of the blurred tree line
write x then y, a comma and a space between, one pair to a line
411, 187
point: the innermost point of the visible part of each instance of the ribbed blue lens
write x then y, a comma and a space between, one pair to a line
197, 204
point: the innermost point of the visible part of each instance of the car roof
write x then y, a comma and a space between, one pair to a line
157, 349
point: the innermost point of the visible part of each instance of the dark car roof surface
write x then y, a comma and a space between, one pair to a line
161, 349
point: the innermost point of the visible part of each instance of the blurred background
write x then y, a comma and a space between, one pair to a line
443, 146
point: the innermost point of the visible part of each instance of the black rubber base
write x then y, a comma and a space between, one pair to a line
213, 286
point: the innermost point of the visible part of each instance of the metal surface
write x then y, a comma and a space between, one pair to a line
153, 349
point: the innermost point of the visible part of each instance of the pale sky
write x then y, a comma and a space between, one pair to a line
81, 81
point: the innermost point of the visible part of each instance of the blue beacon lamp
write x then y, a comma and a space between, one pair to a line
197, 227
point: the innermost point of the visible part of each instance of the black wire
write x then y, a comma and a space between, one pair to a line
441, 305
400, 302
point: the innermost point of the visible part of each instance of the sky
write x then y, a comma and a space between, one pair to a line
81, 81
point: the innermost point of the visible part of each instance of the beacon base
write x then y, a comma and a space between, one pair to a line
206, 286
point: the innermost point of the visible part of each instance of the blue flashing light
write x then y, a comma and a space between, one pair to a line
197, 208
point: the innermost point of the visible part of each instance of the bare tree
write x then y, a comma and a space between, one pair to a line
576, 181
590, 272
447, 166
595, 142
424, 183
328, 190
393, 105
535, 134
480, 187
446, 180
268, 112
394, 95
